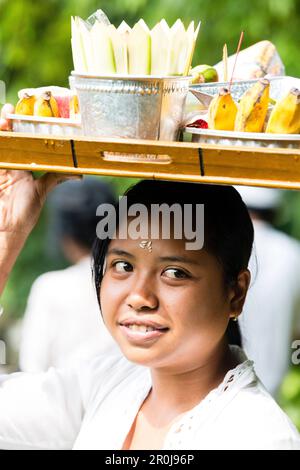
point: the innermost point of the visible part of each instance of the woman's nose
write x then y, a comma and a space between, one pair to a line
142, 298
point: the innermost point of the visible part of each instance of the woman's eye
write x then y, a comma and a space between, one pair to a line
122, 267
173, 273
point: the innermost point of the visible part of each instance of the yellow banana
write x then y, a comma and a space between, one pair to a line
222, 111
253, 108
285, 116
74, 107
46, 106
25, 105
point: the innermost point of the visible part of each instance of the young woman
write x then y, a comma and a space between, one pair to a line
180, 384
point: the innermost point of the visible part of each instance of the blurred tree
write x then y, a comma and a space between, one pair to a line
289, 398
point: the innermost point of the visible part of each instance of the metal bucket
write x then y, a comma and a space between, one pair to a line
141, 107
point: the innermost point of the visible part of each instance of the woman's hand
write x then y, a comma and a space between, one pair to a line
21, 200
5, 124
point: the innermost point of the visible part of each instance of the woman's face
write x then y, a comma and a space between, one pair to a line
167, 308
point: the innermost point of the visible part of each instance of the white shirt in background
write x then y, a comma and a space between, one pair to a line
272, 306
62, 323
95, 406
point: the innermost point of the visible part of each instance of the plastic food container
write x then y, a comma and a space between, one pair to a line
278, 87
248, 139
46, 126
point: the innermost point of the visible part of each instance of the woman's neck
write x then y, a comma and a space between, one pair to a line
177, 392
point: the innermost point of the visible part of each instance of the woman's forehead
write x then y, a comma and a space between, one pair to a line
167, 228
161, 250
141, 244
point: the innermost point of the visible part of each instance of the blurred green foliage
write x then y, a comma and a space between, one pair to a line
289, 398
35, 51
35, 36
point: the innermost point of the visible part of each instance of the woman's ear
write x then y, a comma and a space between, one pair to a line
239, 292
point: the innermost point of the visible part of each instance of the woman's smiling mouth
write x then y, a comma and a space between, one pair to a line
140, 331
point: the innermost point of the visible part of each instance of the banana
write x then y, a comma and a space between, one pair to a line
74, 107
253, 108
25, 105
285, 116
46, 105
222, 111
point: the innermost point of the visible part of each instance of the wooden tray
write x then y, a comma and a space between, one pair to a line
182, 161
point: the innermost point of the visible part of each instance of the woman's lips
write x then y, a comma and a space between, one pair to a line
140, 335
142, 322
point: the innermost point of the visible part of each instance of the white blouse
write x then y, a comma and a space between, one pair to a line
95, 406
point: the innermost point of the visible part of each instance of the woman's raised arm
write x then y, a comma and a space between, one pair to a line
21, 200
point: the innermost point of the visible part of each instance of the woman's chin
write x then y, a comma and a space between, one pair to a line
140, 356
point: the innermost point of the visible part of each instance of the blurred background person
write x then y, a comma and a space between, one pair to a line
272, 310
62, 323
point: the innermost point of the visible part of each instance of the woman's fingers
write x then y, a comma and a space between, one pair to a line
6, 124
47, 182
7, 109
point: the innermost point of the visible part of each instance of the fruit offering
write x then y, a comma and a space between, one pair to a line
285, 116
199, 124
46, 105
47, 102
256, 61
253, 108
25, 105
100, 48
255, 112
203, 74
222, 111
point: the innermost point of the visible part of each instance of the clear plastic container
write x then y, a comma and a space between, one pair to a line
45, 126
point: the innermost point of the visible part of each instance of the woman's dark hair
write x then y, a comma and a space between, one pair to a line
228, 230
